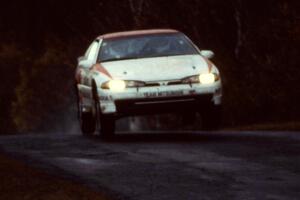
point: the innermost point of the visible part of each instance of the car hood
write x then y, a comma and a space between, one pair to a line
158, 68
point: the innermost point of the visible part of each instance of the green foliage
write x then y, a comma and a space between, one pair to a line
44, 92
11, 59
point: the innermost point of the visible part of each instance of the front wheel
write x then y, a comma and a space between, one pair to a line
87, 122
106, 122
86, 118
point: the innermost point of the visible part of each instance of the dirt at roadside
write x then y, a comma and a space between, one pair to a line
18, 181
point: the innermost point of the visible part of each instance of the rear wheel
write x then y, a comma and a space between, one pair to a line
211, 118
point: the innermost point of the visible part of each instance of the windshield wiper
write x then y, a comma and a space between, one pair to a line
136, 57
118, 59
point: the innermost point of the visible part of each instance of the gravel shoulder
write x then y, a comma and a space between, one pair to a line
20, 181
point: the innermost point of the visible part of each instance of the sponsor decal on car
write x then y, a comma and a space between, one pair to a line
105, 98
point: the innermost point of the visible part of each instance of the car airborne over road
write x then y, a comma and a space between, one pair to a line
146, 72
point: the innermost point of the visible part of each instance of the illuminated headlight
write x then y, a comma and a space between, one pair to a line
120, 85
114, 85
207, 78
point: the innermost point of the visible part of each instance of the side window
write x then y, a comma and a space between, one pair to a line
92, 51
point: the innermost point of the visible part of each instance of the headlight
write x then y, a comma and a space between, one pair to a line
114, 85
120, 85
207, 78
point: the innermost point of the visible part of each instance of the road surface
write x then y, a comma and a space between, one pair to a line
171, 166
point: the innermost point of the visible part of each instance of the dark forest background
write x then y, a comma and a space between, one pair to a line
256, 45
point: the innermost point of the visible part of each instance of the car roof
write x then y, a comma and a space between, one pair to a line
136, 33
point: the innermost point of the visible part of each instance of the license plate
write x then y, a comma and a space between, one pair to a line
163, 94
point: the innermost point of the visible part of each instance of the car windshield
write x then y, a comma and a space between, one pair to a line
145, 47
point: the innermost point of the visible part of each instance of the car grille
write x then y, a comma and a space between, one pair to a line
175, 82
162, 83
152, 84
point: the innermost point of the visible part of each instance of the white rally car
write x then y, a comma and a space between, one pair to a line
145, 72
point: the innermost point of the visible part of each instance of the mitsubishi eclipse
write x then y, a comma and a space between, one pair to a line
146, 72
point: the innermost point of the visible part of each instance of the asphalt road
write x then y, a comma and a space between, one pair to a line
171, 166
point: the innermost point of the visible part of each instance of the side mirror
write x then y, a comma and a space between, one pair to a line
207, 53
84, 63
80, 58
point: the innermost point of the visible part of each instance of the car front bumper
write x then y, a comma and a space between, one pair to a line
159, 99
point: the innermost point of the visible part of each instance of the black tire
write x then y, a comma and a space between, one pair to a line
212, 118
87, 123
86, 119
77, 102
106, 122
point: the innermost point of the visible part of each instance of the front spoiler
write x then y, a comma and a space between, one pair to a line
163, 105
159, 99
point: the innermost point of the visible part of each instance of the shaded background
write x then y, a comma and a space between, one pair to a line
256, 45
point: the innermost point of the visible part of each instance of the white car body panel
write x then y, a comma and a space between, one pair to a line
161, 70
